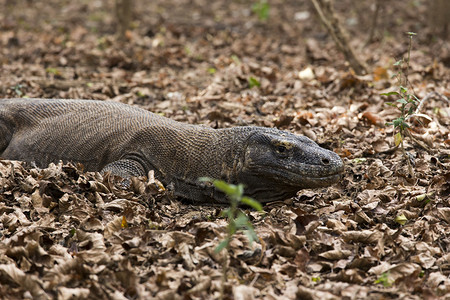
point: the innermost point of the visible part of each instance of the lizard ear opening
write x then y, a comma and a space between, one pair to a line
325, 161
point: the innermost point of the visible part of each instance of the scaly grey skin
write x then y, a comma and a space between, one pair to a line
129, 141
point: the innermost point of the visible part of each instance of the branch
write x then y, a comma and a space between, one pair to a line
374, 23
331, 22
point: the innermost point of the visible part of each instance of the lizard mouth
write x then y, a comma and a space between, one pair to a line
304, 176
284, 183
310, 180
322, 181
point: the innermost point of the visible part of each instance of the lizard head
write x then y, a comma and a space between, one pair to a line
277, 164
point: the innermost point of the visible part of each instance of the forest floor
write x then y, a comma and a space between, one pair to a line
379, 233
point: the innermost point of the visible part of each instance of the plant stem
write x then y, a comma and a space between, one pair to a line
410, 169
224, 273
405, 75
409, 56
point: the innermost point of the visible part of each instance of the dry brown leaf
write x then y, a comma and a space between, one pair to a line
336, 254
243, 292
29, 283
380, 73
314, 294
363, 236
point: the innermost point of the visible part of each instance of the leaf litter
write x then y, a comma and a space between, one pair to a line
68, 234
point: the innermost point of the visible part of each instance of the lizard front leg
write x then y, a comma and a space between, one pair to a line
124, 168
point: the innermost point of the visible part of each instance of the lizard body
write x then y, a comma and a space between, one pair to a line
129, 141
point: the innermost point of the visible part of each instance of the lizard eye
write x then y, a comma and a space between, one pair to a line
281, 149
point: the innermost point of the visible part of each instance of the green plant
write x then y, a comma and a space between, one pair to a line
401, 219
425, 197
261, 9
18, 89
237, 220
53, 71
235, 59
188, 51
252, 82
384, 279
407, 103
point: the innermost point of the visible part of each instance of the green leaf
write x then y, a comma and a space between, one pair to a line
236, 59
421, 197
226, 212
251, 235
261, 9
411, 33
53, 71
212, 70
401, 219
222, 245
240, 189
403, 90
398, 122
17, 90
359, 160
252, 82
384, 279
229, 189
424, 196
241, 220
390, 94
205, 179
315, 279
232, 227
252, 203
398, 62
403, 101
397, 138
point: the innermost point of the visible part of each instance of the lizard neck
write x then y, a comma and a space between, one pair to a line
231, 144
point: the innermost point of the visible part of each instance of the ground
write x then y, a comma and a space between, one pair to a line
380, 233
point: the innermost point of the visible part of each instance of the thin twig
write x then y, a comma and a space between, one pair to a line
405, 75
422, 102
334, 28
407, 61
374, 23
414, 139
410, 168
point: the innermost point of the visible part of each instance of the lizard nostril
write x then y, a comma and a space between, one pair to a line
325, 161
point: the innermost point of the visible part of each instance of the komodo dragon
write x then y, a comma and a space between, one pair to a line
130, 141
